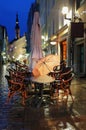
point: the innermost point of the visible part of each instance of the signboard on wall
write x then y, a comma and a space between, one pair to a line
77, 29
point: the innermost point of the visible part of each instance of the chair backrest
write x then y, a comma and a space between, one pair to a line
67, 75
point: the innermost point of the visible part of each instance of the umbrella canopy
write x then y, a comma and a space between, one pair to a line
45, 65
36, 49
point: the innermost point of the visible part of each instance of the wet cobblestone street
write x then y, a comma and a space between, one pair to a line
56, 116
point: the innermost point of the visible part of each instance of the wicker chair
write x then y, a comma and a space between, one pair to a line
63, 83
16, 85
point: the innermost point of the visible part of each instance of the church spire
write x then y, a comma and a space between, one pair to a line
17, 28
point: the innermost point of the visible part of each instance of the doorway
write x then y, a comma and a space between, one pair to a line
63, 47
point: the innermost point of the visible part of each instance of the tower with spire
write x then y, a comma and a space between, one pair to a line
17, 28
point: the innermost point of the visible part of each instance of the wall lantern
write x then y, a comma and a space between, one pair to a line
66, 13
64, 10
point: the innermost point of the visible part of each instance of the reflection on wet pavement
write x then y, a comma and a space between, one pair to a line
55, 116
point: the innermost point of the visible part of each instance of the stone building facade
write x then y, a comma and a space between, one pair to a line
58, 28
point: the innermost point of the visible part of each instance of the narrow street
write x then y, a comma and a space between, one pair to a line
57, 116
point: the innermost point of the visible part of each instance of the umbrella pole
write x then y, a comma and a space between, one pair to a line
47, 66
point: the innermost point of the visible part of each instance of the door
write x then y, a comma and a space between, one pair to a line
63, 50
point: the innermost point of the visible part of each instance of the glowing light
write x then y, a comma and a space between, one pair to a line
64, 10
53, 43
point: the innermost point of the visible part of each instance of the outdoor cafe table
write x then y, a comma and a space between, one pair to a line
43, 80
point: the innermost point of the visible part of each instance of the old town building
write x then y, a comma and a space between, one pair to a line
63, 24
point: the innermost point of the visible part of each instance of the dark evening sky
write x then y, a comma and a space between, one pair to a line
8, 10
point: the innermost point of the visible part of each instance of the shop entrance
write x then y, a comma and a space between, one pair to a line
63, 47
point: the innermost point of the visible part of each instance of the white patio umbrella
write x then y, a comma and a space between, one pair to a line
46, 64
36, 49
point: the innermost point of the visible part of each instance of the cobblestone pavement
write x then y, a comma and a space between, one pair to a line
54, 116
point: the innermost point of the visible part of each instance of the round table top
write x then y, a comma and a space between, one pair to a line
43, 79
